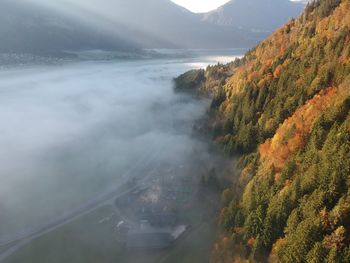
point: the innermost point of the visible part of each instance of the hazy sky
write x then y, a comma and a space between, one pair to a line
200, 5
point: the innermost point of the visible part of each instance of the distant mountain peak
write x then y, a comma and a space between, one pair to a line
254, 14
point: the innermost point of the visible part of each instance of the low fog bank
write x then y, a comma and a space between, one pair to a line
15, 60
71, 132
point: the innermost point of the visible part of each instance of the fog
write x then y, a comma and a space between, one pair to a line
71, 132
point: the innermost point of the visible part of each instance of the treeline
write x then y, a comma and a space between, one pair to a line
285, 108
204, 82
280, 75
302, 213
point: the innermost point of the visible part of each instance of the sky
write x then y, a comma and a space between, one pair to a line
199, 6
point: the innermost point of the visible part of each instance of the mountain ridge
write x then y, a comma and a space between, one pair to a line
60, 25
262, 14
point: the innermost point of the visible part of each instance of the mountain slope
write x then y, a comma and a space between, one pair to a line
286, 107
171, 25
25, 27
254, 15
56, 25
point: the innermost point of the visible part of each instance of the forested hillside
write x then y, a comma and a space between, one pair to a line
285, 108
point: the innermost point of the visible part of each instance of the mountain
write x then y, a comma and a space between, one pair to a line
26, 27
57, 25
254, 15
285, 108
165, 24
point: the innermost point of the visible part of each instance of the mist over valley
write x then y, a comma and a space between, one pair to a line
171, 131
71, 132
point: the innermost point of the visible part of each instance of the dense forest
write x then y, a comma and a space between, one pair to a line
285, 109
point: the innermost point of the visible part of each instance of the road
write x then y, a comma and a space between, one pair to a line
18, 240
